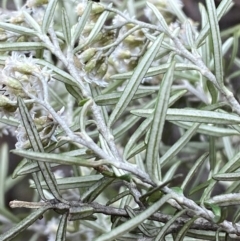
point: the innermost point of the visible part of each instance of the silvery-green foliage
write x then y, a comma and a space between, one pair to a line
125, 118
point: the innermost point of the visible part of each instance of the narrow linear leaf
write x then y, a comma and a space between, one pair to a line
3, 171
82, 22
73, 182
177, 10
194, 169
189, 33
96, 189
60, 159
48, 16
156, 70
32, 22
216, 40
118, 197
231, 165
66, 27
9, 122
112, 98
159, 16
134, 222
234, 50
177, 147
24, 168
235, 176
141, 226
17, 29
208, 130
98, 25
143, 128
193, 115
212, 152
21, 46
184, 229
130, 122
223, 7
24, 224
159, 116
167, 225
62, 227
37, 146
135, 80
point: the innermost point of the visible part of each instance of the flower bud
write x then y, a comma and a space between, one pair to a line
17, 19
4, 101
12, 83
80, 9
25, 68
102, 70
10, 108
86, 55
97, 8
91, 64
124, 54
36, 3
132, 40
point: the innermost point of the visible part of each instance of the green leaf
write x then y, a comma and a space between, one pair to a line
118, 197
217, 212
24, 224
73, 91
113, 98
141, 226
98, 26
194, 169
21, 46
193, 115
234, 51
177, 147
135, 80
58, 158
62, 227
181, 234
235, 176
159, 16
161, 69
216, 40
96, 189
36, 144
3, 171
24, 168
199, 187
159, 115
130, 122
223, 7
73, 182
133, 222
164, 229
17, 29
31, 21
48, 16
143, 128
81, 23
208, 130
66, 27
9, 122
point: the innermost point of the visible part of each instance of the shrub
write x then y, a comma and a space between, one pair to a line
126, 120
